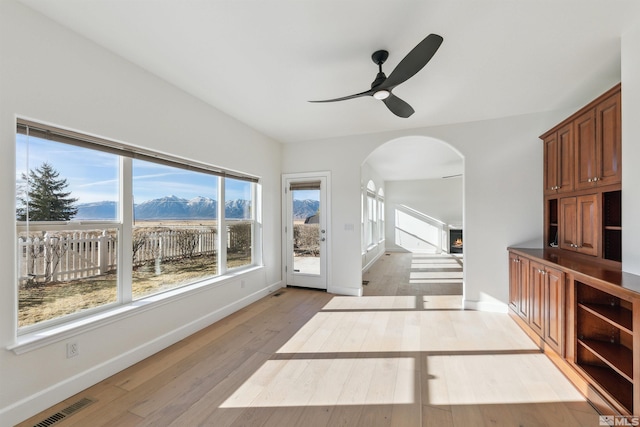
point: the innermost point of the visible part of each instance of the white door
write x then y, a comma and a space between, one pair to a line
306, 231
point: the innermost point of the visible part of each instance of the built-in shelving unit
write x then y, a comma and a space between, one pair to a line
605, 342
571, 297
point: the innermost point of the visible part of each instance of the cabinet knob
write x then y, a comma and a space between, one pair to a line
596, 179
590, 180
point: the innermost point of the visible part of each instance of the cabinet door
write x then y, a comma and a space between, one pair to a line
568, 233
558, 161
566, 159
514, 279
523, 288
551, 153
554, 314
588, 216
585, 150
537, 301
608, 125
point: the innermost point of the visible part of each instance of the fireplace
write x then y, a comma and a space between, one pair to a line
455, 241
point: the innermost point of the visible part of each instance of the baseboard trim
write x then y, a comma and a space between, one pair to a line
488, 306
343, 290
370, 263
40, 401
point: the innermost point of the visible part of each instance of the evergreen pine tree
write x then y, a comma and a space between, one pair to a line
47, 199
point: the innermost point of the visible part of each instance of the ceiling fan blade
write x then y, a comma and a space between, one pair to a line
398, 107
414, 61
344, 98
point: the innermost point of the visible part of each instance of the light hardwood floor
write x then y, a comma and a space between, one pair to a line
308, 358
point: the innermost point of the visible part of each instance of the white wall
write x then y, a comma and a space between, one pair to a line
631, 150
50, 74
440, 199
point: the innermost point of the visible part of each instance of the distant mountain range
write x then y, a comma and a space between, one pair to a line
173, 207
303, 209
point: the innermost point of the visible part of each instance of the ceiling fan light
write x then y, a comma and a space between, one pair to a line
381, 94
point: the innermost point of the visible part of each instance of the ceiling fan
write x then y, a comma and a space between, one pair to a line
382, 86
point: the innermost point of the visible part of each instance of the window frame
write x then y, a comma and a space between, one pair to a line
381, 230
46, 331
372, 220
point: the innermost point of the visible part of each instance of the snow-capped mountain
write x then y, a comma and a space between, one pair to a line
168, 207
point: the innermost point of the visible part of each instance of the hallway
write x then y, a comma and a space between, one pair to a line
417, 274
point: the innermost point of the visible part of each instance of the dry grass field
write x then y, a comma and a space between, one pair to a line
52, 300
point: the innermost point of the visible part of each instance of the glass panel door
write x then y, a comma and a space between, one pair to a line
306, 232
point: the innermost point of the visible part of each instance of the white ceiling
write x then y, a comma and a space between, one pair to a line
260, 61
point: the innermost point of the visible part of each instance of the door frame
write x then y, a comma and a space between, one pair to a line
305, 176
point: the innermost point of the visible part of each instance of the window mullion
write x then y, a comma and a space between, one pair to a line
125, 245
222, 229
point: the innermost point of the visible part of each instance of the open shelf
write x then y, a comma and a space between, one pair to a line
618, 316
552, 227
612, 225
613, 385
604, 345
606, 352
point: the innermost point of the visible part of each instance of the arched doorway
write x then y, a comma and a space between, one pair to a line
422, 180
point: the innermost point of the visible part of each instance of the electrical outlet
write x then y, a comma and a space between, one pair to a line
72, 350
242, 284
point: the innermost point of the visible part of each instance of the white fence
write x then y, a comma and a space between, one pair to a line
63, 256
58, 257
172, 244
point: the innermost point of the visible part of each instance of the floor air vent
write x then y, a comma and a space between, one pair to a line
69, 410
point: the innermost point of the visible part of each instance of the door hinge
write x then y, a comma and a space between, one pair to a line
286, 268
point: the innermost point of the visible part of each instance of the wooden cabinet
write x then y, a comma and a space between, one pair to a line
571, 297
519, 285
542, 305
582, 180
547, 304
588, 313
554, 313
558, 161
578, 226
609, 138
598, 140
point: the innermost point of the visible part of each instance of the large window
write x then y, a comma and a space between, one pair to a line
381, 230
372, 212
99, 224
238, 213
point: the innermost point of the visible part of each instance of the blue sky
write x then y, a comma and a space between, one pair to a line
93, 176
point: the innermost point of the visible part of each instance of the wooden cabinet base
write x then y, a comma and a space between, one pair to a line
569, 370
585, 316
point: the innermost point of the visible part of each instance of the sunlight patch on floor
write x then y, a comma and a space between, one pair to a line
391, 331
496, 379
321, 382
371, 303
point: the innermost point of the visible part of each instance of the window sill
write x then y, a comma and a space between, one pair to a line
44, 337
